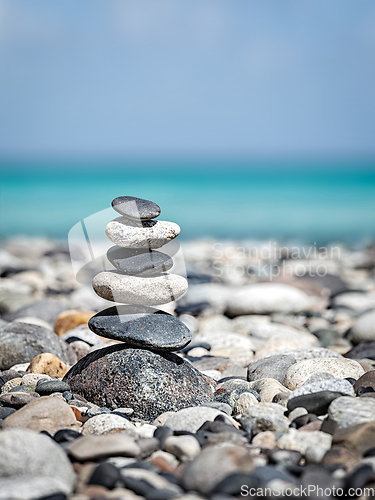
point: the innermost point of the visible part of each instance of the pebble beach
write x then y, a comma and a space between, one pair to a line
255, 378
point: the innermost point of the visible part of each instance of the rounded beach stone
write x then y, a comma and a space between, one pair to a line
299, 372
105, 423
46, 309
70, 319
92, 447
274, 367
364, 329
139, 261
342, 386
267, 417
266, 298
366, 380
141, 326
300, 440
149, 234
216, 462
135, 290
136, 208
346, 412
48, 364
150, 383
191, 419
51, 386
314, 402
25, 456
43, 414
21, 342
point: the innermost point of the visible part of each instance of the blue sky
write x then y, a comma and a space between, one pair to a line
99, 78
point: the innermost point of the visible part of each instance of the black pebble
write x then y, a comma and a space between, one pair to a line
54, 496
106, 475
64, 435
236, 483
362, 390
162, 433
52, 386
359, 477
303, 420
5, 412
204, 345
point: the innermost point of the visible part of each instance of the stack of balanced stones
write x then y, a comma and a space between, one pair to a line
140, 280
141, 372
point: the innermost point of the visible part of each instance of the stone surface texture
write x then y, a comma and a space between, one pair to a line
149, 234
153, 290
150, 383
141, 326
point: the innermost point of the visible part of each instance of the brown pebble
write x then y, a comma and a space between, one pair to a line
48, 364
162, 464
77, 413
68, 320
312, 426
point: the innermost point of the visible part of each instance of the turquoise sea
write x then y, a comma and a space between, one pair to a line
304, 201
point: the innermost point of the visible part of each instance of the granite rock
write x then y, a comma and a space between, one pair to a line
142, 327
150, 383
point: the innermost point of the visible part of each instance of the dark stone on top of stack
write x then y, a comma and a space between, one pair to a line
136, 208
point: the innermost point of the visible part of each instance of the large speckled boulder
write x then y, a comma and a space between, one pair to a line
150, 383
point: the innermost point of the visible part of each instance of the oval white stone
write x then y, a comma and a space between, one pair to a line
151, 291
298, 373
148, 234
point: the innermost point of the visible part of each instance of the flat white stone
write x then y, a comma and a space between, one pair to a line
136, 290
147, 234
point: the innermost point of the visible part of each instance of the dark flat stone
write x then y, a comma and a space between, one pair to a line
120, 376
365, 350
136, 208
316, 402
139, 261
52, 386
5, 412
141, 326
